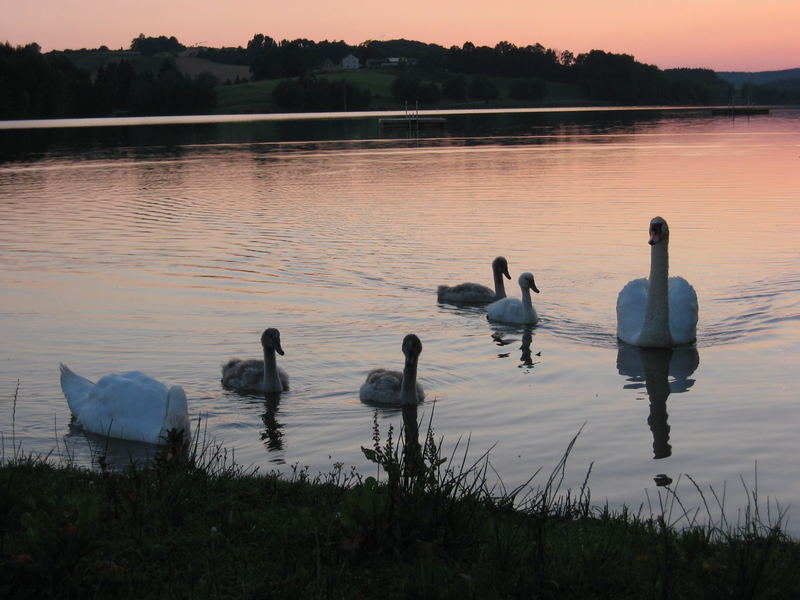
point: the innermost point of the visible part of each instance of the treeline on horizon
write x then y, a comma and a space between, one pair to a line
47, 85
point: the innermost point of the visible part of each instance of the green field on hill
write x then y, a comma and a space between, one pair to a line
256, 96
237, 94
189, 65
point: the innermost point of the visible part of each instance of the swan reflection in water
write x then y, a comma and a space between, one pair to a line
410, 450
651, 368
526, 356
269, 402
272, 436
115, 454
413, 449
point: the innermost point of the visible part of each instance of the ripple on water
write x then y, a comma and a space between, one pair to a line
173, 263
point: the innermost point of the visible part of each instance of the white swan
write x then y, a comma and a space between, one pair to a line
130, 406
392, 387
475, 293
661, 311
513, 310
261, 376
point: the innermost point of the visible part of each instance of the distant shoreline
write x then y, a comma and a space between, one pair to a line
363, 114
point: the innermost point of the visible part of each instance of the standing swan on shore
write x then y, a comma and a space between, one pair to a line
513, 310
660, 311
259, 376
392, 387
475, 293
129, 406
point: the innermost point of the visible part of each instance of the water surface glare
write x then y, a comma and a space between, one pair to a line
171, 252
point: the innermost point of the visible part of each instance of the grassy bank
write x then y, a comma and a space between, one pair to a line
193, 524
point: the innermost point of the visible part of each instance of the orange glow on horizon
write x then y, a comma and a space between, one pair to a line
731, 35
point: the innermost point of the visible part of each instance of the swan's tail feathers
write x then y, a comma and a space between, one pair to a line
176, 417
76, 389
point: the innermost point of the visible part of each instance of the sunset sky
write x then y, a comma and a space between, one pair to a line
730, 35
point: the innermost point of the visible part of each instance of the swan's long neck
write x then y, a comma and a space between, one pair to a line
528, 313
655, 329
272, 381
499, 285
408, 388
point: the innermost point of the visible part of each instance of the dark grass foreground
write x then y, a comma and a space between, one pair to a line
193, 525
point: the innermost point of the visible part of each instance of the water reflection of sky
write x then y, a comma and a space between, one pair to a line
169, 252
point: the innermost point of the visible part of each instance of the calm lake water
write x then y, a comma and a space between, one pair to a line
169, 248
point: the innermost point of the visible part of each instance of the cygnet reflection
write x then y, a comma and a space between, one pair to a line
413, 449
526, 358
272, 436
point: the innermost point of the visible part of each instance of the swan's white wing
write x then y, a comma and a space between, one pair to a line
129, 405
630, 310
498, 310
76, 389
505, 310
682, 311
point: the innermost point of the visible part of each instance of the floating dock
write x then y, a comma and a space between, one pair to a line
411, 122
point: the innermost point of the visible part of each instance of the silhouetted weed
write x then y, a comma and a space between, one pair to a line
193, 523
